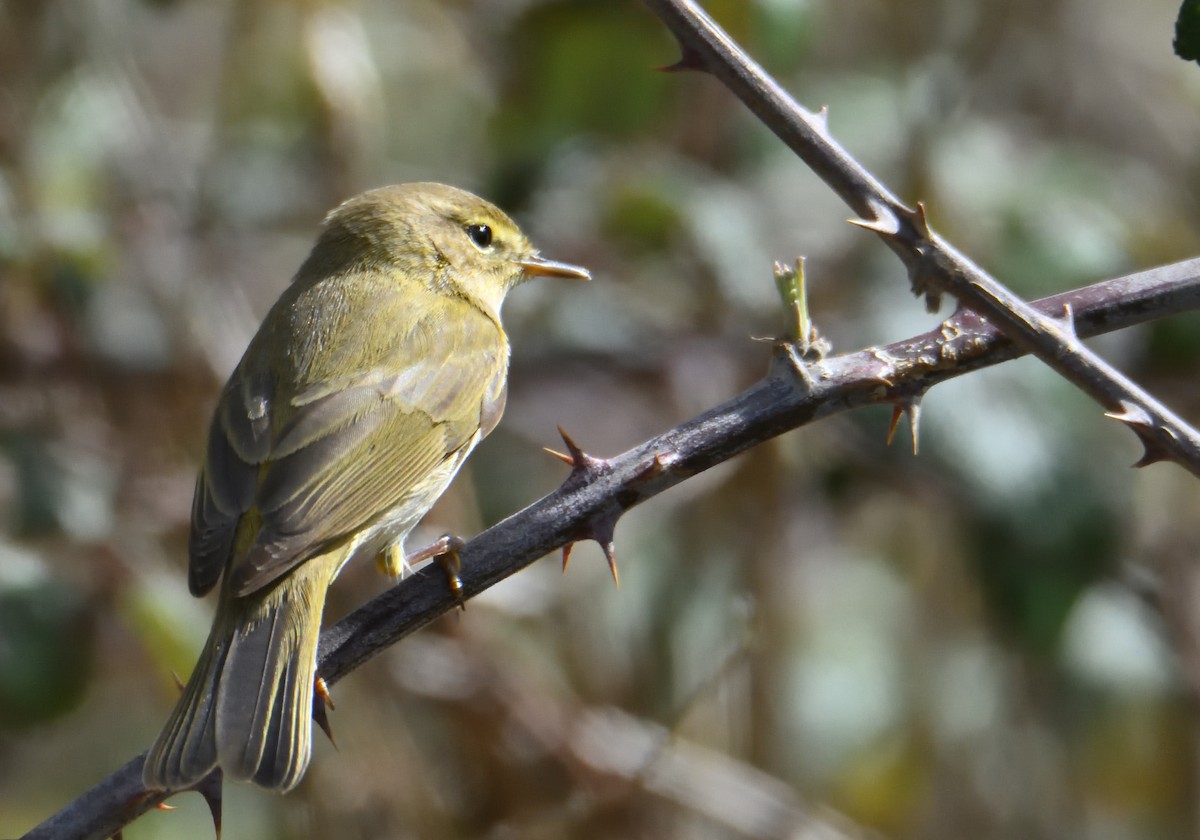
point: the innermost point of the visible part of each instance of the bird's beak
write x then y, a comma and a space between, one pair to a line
536, 266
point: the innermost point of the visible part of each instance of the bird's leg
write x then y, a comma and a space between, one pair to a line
444, 552
391, 561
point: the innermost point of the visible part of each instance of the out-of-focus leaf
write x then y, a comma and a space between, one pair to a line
569, 77
46, 647
1187, 31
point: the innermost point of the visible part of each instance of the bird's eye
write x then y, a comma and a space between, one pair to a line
481, 235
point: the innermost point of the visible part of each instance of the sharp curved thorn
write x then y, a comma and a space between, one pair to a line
321, 718
610, 554
1131, 415
874, 225
894, 423
163, 806
582, 464
566, 553
562, 456
603, 531
689, 59
920, 221
1150, 456
913, 411
210, 788
572, 446
1153, 450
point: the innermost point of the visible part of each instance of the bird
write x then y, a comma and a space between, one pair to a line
370, 380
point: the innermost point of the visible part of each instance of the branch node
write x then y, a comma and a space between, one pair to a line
921, 274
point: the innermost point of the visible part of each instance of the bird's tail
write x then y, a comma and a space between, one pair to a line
248, 704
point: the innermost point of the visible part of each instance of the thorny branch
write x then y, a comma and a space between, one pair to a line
599, 491
589, 502
934, 266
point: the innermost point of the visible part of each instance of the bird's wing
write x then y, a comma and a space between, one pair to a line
238, 441
351, 450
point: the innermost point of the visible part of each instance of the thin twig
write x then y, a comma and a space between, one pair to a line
785, 399
934, 266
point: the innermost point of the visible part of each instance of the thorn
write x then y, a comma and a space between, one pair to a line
163, 806
1131, 415
1151, 454
882, 221
874, 225
688, 60
909, 407
321, 702
659, 464
210, 788
577, 454
603, 532
913, 410
562, 456
179, 684
600, 530
920, 221
1144, 426
894, 423
582, 465
611, 555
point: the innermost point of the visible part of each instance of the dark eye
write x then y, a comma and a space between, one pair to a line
481, 235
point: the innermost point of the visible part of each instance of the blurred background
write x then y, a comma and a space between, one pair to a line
995, 639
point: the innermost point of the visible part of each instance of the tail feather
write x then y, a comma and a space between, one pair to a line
248, 704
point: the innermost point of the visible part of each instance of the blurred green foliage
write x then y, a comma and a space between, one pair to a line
995, 639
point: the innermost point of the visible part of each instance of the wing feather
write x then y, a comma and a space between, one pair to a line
362, 438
